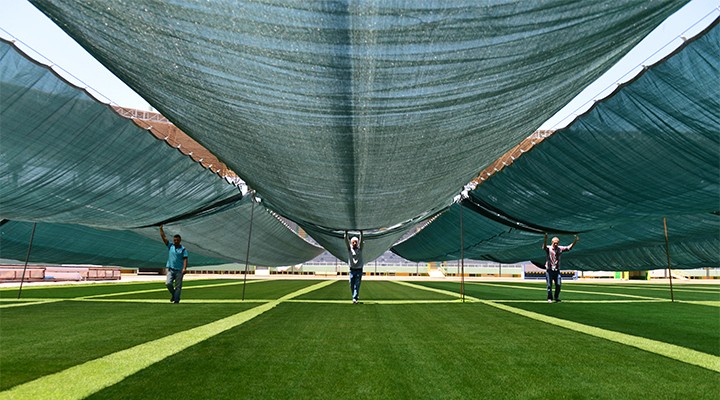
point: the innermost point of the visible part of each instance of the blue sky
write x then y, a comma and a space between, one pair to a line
48, 44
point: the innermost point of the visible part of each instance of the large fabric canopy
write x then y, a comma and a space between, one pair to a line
67, 159
650, 150
357, 115
374, 244
223, 233
214, 237
77, 244
636, 245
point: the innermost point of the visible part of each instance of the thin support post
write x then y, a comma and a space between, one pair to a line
27, 258
667, 251
247, 253
462, 255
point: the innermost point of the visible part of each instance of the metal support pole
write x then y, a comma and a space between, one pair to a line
462, 255
27, 258
247, 254
667, 251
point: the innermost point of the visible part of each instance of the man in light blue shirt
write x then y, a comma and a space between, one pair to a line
176, 265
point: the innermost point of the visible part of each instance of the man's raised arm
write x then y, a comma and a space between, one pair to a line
162, 235
574, 241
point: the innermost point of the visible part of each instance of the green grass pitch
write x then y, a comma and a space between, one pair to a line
406, 340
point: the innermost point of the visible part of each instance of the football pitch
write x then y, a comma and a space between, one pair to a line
304, 339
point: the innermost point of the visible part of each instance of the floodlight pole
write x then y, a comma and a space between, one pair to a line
247, 253
667, 251
27, 258
462, 254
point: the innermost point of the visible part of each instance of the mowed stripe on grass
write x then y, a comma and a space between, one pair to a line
679, 353
85, 379
381, 297
411, 351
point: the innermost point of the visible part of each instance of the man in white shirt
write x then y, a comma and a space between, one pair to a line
355, 260
552, 265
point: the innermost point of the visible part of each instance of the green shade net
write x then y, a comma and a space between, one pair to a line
223, 233
76, 244
374, 244
357, 115
67, 159
215, 237
483, 238
637, 245
650, 150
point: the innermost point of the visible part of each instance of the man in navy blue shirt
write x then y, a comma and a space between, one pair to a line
176, 265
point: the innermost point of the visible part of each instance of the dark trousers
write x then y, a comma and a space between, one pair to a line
550, 277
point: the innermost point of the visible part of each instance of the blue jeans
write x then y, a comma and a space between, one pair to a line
174, 283
355, 279
550, 277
